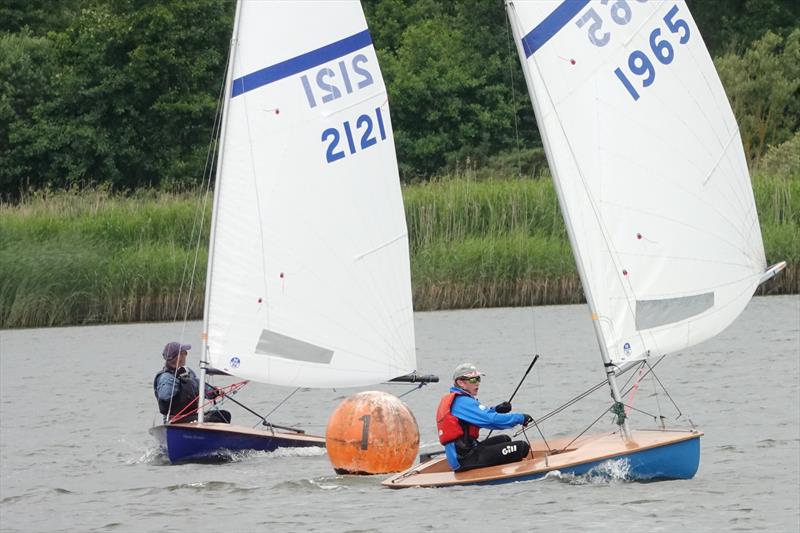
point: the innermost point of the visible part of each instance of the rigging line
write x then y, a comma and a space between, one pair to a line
197, 227
512, 60
525, 434
650, 369
574, 401
658, 402
596, 420
412, 389
680, 413
631, 376
281, 403
631, 407
581, 396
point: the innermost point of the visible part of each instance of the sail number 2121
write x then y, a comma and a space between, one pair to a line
359, 135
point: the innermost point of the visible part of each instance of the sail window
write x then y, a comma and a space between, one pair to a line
654, 313
277, 345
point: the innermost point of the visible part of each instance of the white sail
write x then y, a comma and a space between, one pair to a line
648, 165
309, 277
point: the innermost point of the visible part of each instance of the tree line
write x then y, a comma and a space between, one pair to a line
124, 93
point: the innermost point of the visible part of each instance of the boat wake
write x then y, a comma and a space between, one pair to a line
606, 473
152, 456
311, 451
333, 483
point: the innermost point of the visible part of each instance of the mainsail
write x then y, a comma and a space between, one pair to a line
309, 277
648, 165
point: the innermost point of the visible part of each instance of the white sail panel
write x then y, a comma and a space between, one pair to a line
649, 167
310, 278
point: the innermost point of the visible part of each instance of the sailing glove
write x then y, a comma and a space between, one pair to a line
528, 419
504, 407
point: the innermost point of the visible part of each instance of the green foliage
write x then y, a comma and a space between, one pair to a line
132, 102
450, 210
763, 86
37, 16
454, 81
70, 257
776, 185
27, 66
732, 25
123, 92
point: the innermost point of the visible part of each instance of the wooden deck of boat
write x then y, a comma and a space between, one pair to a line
586, 449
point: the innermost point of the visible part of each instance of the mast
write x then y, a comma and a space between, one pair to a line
225, 102
607, 364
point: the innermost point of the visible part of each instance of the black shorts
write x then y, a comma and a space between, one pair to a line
497, 450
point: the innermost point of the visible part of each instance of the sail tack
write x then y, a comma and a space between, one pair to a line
648, 165
310, 279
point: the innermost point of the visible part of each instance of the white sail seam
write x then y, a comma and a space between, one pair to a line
380, 247
722, 154
354, 104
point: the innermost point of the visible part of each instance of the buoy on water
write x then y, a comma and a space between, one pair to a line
372, 433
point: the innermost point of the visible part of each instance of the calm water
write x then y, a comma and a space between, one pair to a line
77, 404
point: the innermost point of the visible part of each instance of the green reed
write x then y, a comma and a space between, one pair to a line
68, 258
94, 257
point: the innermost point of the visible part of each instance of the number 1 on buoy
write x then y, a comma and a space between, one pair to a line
365, 432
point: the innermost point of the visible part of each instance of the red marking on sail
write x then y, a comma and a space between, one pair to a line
624, 272
639, 236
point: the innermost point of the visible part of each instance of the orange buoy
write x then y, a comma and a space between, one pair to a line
372, 433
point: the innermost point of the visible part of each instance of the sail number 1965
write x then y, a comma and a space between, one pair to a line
639, 62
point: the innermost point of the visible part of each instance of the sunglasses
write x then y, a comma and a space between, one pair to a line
473, 380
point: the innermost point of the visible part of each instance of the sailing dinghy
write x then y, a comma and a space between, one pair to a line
308, 281
653, 185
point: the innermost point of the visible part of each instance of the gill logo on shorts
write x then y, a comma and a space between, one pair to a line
627, 348
511, 448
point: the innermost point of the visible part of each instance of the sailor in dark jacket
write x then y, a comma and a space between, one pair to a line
177, 387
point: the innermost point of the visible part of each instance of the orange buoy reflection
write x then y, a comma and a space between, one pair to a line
372, 433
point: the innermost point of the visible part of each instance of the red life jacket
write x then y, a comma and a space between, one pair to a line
451, 428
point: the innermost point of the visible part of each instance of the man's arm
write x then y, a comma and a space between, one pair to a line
469, 410
167, 386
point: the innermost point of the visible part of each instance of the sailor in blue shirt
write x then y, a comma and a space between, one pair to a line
460, 417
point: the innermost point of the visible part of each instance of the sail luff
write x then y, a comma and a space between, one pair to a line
210, 266
587, 289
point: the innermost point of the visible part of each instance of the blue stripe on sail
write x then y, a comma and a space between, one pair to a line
292, 66
551, 25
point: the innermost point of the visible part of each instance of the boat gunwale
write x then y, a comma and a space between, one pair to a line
221, 427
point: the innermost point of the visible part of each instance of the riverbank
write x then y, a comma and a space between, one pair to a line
92, 257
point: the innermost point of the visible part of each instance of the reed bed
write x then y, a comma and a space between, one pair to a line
94, 257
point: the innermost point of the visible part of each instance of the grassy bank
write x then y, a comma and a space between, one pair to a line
69, 258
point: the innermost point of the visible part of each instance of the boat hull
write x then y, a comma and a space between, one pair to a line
214, 442
647, 455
